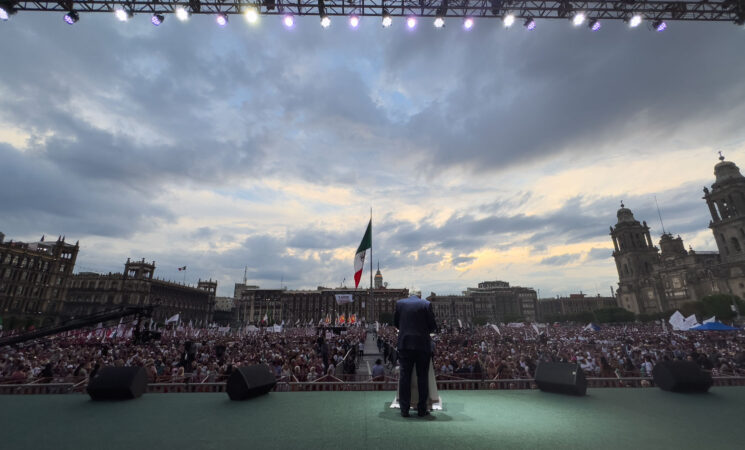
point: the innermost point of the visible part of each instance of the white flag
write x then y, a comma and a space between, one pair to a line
172, 319
711, 319
496, 328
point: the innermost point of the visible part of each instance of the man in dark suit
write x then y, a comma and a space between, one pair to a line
415, 321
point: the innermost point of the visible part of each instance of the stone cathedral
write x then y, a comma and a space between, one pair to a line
653, 279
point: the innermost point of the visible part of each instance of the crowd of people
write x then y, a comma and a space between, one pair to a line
295, 354
615, 351
306, 354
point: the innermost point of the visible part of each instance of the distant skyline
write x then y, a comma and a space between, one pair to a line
493, 154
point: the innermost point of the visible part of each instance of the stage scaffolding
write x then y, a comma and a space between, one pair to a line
708, 11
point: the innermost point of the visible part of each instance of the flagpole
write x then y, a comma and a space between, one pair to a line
371, 260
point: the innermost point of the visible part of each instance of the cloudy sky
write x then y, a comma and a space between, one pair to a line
490, 154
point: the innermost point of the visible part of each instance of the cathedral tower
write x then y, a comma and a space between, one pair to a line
635, 255
726, 202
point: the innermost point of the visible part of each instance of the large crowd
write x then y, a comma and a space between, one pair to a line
616, 351
307, 354
299, 354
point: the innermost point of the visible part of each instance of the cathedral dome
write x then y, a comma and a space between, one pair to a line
726, 171
625, 215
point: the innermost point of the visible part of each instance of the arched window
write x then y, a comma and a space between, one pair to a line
736, 244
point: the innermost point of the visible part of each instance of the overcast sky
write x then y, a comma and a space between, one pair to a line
490, 154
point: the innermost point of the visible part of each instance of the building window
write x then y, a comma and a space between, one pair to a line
736, 244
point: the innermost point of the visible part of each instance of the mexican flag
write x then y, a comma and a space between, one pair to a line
359, 257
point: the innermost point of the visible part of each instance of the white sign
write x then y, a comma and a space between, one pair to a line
342, 299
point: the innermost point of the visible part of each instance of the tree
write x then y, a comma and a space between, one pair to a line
720, 305
386, 317
610, 315
480, 320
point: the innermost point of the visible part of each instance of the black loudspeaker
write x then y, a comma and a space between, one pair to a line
562, 378
118, 383
249, 382
681, 376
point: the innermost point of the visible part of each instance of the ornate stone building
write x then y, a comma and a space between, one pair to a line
575, 303
311, 306
493, 301
652, 281
91, 292
33, 280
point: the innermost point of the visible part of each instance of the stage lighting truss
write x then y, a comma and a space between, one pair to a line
649, 11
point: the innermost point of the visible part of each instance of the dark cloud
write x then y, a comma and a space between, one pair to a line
598, 253
561, 260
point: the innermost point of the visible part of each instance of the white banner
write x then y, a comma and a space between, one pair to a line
342, 299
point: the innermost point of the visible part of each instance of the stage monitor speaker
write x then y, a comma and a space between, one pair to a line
249, 382
562, 378
118, 383
681, 376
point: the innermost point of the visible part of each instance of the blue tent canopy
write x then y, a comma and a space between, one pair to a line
714, 326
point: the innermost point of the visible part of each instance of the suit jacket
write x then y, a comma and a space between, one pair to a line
415, 321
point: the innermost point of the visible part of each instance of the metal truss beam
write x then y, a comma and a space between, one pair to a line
684, 10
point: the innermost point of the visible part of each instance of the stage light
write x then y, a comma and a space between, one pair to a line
740, 18
411, 22
578, 19
72, 17
157, 19
594, 25
251, 15
182, 14
123, 15
439, 22
635, 21
387, 19
660, 25
325, 21
221, 19
289, 20
529, 24
508, 20
354, 21
6, 9
468, 23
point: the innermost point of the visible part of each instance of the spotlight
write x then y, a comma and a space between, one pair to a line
411, 22
325, 21
468, 23
354, 21
578, 19
289, 20
72, 17
251, 14
660, 25
123, 15
635, 20
508, 20
182, 14
740, 18
6, 9
529, 24
221, 19
439, 22
594, 25
157, 19
387, 19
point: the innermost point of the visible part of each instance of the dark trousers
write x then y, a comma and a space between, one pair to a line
410, 359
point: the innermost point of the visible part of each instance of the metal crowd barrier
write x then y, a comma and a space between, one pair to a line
389, 384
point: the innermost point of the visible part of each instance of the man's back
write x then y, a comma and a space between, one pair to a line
415, 321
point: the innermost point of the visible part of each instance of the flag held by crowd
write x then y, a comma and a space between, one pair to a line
173, 319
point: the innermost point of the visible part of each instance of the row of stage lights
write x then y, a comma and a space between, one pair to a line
252, 16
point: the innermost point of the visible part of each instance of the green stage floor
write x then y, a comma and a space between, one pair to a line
605, 418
